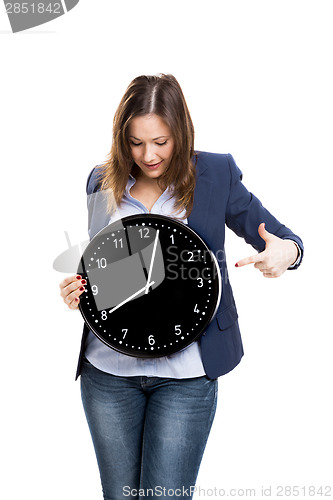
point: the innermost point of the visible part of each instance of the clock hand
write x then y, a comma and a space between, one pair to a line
130, 298
151, 262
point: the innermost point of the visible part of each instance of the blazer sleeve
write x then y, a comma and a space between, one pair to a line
96, 199
245, 212
93, 180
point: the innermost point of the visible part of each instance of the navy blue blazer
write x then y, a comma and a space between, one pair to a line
219, 198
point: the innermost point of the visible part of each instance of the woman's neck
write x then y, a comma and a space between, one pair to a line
147, 183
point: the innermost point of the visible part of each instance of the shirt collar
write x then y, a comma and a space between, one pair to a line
132, 180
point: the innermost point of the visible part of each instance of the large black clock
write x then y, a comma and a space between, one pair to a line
153, 285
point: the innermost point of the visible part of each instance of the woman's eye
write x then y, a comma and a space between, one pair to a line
157, 143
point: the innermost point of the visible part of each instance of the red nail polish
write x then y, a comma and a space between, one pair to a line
236, 265
76, 299
78, 277
83, 282
81, 288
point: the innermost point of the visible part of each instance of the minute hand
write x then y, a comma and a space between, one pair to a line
151, 262
130, 298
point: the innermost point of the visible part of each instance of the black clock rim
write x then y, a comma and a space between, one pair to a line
217, 284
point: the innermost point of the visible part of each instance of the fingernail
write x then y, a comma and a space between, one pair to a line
236, 265
76, 299
83, 282
81, 288
78, 277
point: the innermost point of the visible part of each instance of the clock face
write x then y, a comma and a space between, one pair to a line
153, 285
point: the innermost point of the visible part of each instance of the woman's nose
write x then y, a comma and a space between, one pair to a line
148, 154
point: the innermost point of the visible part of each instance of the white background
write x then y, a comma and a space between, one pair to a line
257, 79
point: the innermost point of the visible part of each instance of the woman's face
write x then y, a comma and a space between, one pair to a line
151, 145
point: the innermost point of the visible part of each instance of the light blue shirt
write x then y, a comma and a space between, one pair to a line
183, 364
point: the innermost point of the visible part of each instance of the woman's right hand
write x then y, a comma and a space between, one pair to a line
70, 290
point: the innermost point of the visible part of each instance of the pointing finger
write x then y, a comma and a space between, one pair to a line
249, 260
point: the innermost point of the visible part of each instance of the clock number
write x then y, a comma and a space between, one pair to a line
172, 238
144, 232
101, 262
94, 289
191, 257
151, 340
200, 282
124, 330
104, 315
196, 310
120, 242
178, 330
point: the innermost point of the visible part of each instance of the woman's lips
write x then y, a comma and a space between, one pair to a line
152, 167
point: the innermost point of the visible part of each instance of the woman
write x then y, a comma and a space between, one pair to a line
150, 418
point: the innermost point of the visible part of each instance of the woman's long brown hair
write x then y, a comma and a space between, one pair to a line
162, 95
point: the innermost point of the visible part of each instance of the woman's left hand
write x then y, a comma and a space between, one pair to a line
278, 255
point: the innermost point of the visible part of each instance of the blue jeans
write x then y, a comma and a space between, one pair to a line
149, 433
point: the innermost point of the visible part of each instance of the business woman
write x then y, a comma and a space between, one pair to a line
150, 418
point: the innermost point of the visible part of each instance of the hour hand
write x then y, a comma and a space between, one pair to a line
131, 297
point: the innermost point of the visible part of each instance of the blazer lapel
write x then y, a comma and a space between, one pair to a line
198, 218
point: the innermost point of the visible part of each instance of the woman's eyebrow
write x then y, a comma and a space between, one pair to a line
155, 139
